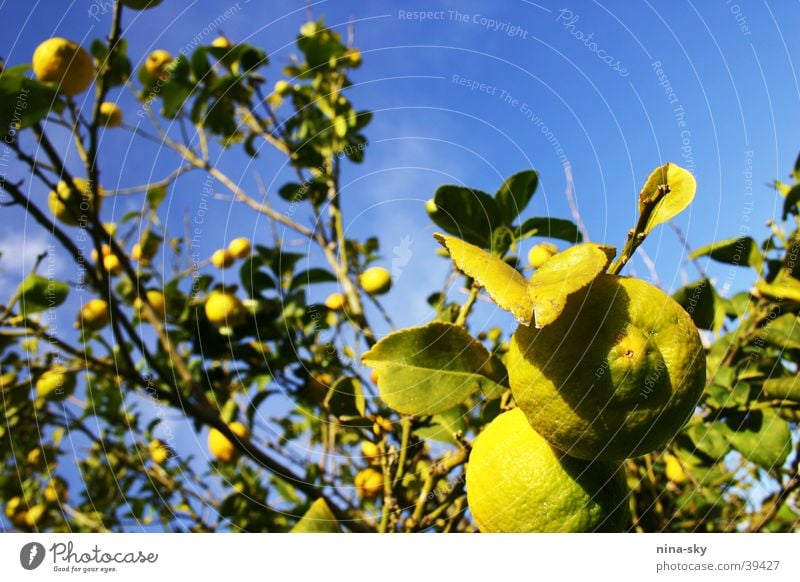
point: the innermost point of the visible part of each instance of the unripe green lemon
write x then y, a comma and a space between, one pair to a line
376, 280
94, 315
70, 207
110, 114
57, 383
517, 482
219, 445
615, 376
224, 308
65, 63
369, 483
540, 253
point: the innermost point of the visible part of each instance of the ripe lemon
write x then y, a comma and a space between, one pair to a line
282, 87
157, 63
539, 254
615, 376
105, 249
221, 42
57, 383
110, 114
222, 259
223, 449
112, 265
158, 451
517, 482
144, 250
15, 511
157, 302
370, 452
94, 315
240, 247
56, 491
376, 281
335, 301
70, 207
35, 514
64, 63
674, 471
369, 483
224, 308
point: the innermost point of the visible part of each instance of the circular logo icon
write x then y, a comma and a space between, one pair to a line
31, 555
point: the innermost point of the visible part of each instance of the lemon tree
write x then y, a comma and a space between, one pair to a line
245, 387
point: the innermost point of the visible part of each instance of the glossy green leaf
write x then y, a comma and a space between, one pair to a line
515, 194
38, 293
564, 274
444, 426
549, 228
318, 519
761, 436
786, 388
468, 214
504, 284
790, 203
709, 439
682, 187
739, 251
701, 301
783, 331
429, 369
23, 101
155, 196
782, 288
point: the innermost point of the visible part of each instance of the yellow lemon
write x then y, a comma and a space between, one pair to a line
335, 301
73, 208
56, 491
35, 514
376, 280
157, 63
112, 265
156, 300
221, 42
282, 87
224, 308
222, 259
370, 451
674, 470
517, 482
158, 451
240, 247
94, 315
64, 63
615, 376
223, 449
57, 383
369, 483
539, 254
353, 57
110, 114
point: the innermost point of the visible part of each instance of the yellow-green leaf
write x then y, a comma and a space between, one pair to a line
429, 369
504, 284
682, 188
318, 519
785, 388
783, 288
564, 274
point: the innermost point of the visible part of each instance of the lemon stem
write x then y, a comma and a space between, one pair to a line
637, 235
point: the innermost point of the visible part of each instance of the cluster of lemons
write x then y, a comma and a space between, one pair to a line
616, 375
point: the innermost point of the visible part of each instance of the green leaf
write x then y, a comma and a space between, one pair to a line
200, 64
682, 188
312, 276
346, 398
762, 437
429, 369
564, 274
701, 301
502, 239
515, 194
318, 519
468, 214
549, 228
791, 201
119, 66
504, 284
39, 293
709, 439
782, 288
786, 388
739, 251
23, 101
783, 331
155, 196
444, 426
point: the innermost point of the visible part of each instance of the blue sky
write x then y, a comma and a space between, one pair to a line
476, 91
